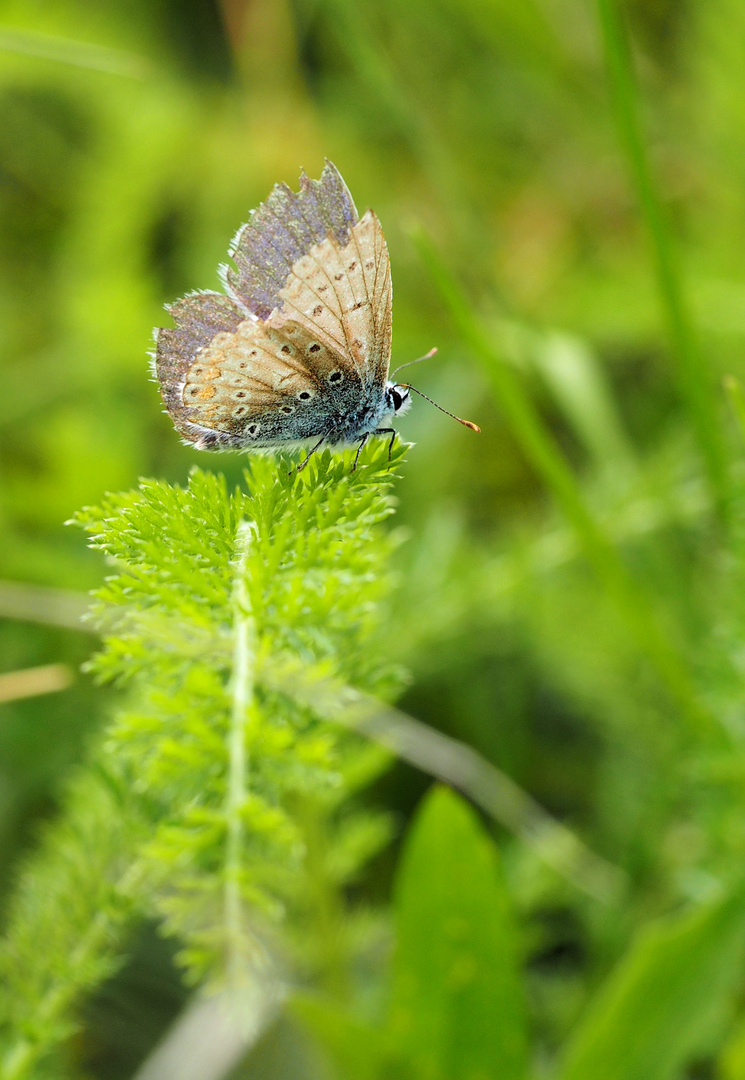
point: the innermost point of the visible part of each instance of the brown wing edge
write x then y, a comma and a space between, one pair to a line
280, 231
198, 317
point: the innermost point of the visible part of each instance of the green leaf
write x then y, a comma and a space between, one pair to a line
457, 1008
656, 1008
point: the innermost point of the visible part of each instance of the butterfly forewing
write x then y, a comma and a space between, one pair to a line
281, 231
343, 295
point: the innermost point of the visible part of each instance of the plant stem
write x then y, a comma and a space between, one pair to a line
242, 689
696, 386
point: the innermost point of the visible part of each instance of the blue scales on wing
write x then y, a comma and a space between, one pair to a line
281, 231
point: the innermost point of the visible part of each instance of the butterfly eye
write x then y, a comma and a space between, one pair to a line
286, 409
253, 429
314, 348
335, 377
304, 395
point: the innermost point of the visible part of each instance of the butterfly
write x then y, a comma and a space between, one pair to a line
298, 347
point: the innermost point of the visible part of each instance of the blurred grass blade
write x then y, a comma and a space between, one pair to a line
82, 54
540, 448
731, 1061
696, 386
657, 1007
357, 38
30, 682
214, 1033
457, 1004
578, 384
456, 764
736, 396
52, 607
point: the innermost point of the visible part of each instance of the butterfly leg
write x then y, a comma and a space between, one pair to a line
363, 440
388, 431
309, 455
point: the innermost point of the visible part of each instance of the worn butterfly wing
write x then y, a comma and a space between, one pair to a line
199, 319
263, 386
281, 231
301, 347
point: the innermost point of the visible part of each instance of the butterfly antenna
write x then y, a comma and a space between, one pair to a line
466, 423
427, 356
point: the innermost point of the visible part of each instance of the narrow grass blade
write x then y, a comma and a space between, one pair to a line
539, 446
736, 396
455, 764
696, 385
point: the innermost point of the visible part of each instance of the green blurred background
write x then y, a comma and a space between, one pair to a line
134, 139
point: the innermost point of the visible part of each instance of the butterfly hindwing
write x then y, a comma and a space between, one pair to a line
263, 386
198, 319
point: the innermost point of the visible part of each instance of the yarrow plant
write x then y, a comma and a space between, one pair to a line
196, 806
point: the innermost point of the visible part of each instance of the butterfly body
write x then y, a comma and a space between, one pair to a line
298, 347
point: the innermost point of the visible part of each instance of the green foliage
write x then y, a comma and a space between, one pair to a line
659, 1007
457, 1002
202, 794
457, 1008
572, 592
67, 919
